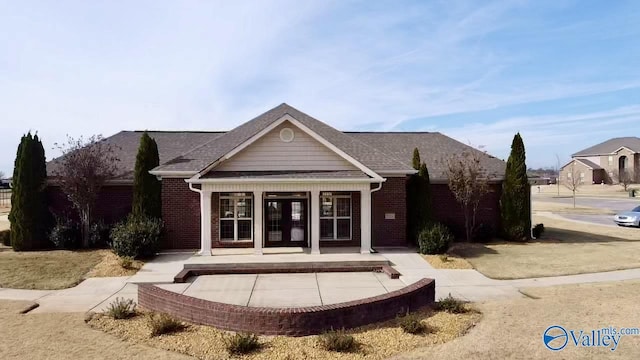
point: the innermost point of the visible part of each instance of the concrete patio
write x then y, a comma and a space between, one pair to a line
287, 290
300, 289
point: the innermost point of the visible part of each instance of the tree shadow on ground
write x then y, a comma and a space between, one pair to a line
551, 236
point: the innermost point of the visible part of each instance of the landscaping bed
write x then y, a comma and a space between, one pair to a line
376, 341
447, 261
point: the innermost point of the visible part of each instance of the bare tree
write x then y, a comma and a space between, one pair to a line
624, 178
573, 181
469, 182
84, 167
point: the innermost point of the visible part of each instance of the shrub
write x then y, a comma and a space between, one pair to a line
451, 305
163, 324
121, 308
99, 234
538, 230
242, 343
412, 324
138, 237
338, 341
515, 233
434, 239
126, 262
5, 237
65, 234
484, 233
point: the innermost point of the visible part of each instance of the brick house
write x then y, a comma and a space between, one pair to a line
287, 179
603, 163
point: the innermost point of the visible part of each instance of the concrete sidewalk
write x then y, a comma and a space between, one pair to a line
284, 290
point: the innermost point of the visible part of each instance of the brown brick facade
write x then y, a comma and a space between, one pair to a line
390, 199
447, 210
181, 215
288, 321
113, 204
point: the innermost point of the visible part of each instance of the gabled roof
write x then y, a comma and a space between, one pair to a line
171, 144
210, 152
611, 146
434, 148
588, 163
187, 152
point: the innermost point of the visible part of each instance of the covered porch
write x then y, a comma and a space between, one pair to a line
242, 215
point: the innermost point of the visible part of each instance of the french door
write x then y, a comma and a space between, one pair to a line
285, 222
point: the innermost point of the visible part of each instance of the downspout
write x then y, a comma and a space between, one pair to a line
199, 191
371, 191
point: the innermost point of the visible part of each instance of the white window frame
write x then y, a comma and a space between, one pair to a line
335, 218
235, 199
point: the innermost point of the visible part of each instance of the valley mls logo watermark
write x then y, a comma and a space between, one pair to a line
556, 337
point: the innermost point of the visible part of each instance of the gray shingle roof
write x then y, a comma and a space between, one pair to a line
379, 151
171, 144
434, 147
210, 152
355, 174
586, 162
610, 146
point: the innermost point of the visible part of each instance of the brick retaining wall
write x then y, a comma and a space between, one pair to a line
288, 321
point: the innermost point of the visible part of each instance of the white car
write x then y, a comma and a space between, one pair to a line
629, 218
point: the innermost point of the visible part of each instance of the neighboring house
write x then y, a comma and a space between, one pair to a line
604, 162
287, 179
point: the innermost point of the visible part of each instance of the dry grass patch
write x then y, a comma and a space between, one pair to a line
538, 206
111, 266
61, 336
447, 261
512, 329
376, 342
46, 270
583, 190
565, 248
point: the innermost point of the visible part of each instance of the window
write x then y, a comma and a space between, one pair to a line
569, 175
236, 216
335, 216
610, 160
581, 175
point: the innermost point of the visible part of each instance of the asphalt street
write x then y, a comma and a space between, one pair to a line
615, 205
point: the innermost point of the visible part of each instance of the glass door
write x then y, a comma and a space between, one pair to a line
285, 222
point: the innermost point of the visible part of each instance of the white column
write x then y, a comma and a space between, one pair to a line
205, 223
257, 222
365, 221
315, 222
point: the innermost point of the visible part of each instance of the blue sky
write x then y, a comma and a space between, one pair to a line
566, 74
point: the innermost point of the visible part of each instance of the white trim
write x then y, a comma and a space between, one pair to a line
194, 180
302, 127
172, 174
235, 217
334, 216
624, 147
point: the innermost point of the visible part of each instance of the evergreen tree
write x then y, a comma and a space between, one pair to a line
28, 214
515, 205
146, 187
416, 159
419, 212
425, 195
